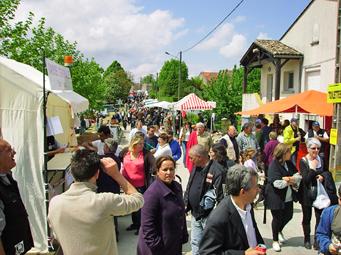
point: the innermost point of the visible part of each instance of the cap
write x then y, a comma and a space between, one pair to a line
315, 123
294, 120
258, 121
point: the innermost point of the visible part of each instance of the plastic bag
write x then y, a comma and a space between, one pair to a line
322, 199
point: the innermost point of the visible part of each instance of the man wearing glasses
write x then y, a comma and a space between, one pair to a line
15, 230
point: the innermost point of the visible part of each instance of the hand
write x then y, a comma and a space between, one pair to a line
298, 138
286, 178
60, 150
332, 249
109, 166
252, 251
320, 178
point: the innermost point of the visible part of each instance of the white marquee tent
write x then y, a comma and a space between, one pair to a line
21, 124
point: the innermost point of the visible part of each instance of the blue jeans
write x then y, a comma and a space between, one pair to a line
293, 158
183, 145
197, 229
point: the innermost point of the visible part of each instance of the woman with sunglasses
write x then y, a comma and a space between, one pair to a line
311, 167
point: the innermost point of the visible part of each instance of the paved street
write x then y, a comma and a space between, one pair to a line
293, 231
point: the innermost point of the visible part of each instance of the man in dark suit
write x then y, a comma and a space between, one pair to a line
231, 227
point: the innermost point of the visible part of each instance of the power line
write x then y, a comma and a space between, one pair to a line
209, 33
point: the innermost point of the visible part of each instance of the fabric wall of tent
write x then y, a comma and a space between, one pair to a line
193, 102
310, 101
21, 123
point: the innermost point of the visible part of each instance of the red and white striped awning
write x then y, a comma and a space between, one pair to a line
193, 102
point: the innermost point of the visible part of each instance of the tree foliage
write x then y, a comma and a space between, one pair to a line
114, 67
117, 86
168, 80
227, 91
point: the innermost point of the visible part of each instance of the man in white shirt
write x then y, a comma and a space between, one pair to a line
81, 219
99, 145
138, 128
231, 227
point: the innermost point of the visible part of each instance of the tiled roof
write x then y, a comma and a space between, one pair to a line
277, 48
209, 75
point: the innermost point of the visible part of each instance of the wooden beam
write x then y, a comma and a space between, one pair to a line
245, 79
277, 78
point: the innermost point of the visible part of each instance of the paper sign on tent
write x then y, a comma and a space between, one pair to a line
60, 77
54, 126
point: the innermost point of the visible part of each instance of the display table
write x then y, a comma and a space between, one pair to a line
58, 173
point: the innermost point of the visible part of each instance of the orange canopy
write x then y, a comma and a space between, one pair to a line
310, 101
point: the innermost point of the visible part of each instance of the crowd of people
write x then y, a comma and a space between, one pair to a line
229, 175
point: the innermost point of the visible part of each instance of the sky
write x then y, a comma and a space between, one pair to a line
137, 33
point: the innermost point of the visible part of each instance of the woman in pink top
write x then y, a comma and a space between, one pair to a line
138, 166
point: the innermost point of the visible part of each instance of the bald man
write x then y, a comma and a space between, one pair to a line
230, 142
15, 230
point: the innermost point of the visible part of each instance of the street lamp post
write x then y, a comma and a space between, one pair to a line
180, 60
179, 82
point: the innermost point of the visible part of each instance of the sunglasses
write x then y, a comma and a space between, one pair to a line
315, 148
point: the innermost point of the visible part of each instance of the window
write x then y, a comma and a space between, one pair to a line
289, 81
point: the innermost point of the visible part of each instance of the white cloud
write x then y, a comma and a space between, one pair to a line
235, 48
218, 38
239, 19
111, 29
262, 35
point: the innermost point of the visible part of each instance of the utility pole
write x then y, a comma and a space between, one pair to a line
335, 150
179, 84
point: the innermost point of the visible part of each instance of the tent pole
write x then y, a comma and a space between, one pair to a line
45, 173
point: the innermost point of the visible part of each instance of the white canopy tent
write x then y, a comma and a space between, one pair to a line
21, 124
193, 102
162, 104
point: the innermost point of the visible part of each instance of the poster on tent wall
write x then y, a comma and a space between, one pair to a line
60, 77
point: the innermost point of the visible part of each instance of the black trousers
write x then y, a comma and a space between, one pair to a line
136, 216
307, 213
280, 218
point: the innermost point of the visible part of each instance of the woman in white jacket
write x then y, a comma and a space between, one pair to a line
163, 148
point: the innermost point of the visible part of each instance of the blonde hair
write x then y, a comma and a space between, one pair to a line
248, 154
280, 151
136, 139
273, 135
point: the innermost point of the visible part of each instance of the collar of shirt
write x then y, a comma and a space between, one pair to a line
241, 212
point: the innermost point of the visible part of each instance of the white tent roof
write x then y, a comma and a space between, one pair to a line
26, 72
162, 104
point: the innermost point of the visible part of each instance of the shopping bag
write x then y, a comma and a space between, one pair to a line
322, 199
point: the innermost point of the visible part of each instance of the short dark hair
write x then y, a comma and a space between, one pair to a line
150, 127
239, 177
84, 165
104, 129
160, 160
170, 132
265, 121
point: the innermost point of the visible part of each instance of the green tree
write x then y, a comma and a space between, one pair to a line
87, 81
26, 43
117, 86
7, 13
227, 91
193, 85
150, 80
169, 78
114, 67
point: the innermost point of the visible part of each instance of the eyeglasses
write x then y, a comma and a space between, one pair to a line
315, 148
